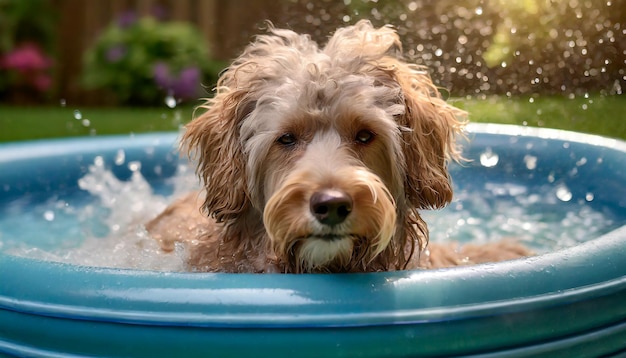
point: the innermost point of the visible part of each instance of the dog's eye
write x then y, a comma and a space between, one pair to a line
364, 136
287, 139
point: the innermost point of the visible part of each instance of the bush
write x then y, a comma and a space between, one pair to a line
26, 45
142, 61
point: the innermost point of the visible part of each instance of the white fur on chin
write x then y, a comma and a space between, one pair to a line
316, 252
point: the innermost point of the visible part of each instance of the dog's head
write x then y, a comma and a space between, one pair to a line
335, 148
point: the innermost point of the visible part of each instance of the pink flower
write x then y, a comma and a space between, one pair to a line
42, 82
26, 57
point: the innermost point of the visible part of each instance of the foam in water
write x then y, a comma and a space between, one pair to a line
107, 230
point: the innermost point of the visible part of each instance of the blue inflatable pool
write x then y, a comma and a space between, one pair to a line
570, 302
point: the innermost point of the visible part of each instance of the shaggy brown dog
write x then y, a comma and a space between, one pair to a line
318, 160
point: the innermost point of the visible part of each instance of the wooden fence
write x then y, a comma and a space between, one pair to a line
226, 25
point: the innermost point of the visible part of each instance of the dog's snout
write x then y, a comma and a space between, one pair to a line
330, 207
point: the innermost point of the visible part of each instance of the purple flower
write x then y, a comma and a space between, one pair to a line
162, 75
183, 86
159, 12
127, 19
186, 85
116, 53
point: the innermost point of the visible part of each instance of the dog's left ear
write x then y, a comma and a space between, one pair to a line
430, 128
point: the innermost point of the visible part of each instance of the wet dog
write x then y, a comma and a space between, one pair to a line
319, 160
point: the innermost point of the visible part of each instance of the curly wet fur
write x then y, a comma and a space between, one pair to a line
285, 123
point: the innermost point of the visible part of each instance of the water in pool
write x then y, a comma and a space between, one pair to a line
102, 224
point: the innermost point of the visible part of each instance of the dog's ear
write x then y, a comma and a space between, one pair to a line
430, 128
213, 139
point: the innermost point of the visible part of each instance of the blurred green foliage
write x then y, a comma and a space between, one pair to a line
19, 24
142, 60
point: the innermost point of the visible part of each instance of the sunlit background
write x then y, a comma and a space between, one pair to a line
100, 67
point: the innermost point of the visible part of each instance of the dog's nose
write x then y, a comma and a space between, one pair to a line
330, 207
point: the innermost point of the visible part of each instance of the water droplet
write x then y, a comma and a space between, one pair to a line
62, 102
563, 193
85, 122
531, 162
78, 115
589, 197
120, 157
170, 101
48, 215
478, 11
98, 161
134, 166
178, 118
489, 159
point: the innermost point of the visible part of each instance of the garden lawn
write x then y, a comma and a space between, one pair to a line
23, 123
602, 115
597, 115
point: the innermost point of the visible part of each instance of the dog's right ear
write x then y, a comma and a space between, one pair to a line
213, 139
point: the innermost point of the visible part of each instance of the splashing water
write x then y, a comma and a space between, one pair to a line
544, 221
170, 101
487, 47
107, 229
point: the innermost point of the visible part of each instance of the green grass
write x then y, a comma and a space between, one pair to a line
24, 123
596, 114
602, 115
